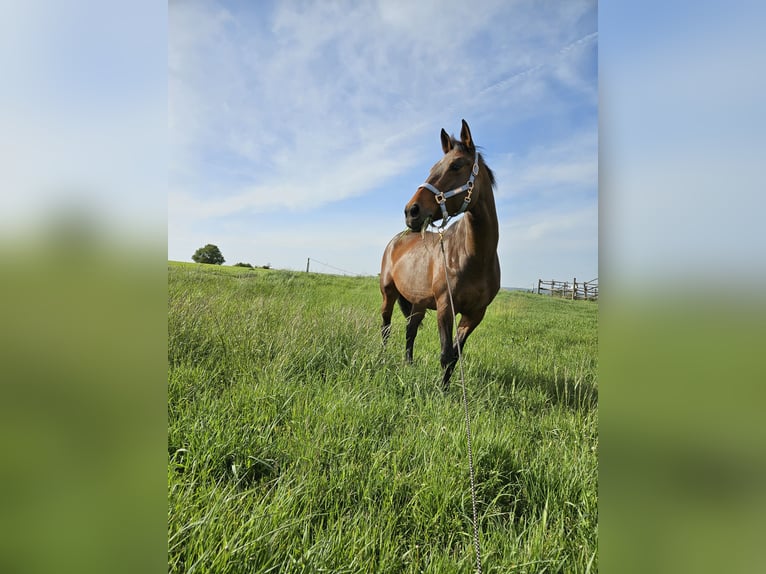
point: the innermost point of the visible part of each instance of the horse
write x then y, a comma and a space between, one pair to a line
413, 271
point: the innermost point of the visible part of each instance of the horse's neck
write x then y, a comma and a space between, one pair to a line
481, 232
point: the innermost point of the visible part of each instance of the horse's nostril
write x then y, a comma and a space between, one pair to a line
414, 210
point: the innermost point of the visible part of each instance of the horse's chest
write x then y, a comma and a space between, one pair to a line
474, 291
469, 296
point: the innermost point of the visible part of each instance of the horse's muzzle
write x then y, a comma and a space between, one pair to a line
413, 217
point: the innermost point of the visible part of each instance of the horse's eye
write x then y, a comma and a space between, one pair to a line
456, 165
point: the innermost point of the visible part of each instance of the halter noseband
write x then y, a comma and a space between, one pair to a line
441, 198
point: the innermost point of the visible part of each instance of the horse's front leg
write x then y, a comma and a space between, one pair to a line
449, 353
413, 322
389, 298
468, 322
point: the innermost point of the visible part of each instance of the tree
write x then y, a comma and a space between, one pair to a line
208, 254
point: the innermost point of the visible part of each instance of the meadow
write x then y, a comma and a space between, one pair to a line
297, 443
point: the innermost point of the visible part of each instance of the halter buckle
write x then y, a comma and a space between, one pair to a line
440, 198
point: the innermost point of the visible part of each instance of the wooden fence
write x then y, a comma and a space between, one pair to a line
573, 290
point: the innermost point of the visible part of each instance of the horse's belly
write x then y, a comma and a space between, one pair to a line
420, 295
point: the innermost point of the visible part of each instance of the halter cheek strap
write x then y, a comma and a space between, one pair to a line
467, 188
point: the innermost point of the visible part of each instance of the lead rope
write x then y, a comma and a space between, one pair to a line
476, 546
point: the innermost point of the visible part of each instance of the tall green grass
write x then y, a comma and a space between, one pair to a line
297, 443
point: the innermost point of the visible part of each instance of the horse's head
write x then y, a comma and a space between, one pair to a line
449, 189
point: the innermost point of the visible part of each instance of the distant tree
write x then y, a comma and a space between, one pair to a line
208, 254
248, 265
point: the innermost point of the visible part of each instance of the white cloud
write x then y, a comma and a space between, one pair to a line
308, 187
562, 167
287, 110
83, 114
314, 91
550, 243
559, 230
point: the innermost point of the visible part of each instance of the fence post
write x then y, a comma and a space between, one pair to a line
538, 285
307, 264
574, 288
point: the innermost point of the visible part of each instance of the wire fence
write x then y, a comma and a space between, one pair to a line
311, 260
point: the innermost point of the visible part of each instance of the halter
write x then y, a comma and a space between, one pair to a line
441, 198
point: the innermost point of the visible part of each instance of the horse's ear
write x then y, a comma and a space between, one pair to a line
446, 141
465, 136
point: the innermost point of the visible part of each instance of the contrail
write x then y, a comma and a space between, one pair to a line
504, 82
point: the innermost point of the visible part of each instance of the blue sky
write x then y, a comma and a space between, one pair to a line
301, 129
682, 143
83, 111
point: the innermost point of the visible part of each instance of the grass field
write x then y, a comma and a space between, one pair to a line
296, 443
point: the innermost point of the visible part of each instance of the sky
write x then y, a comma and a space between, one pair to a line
83, 118
681, 144
300, 130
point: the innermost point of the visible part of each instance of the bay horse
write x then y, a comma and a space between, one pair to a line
412, 271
